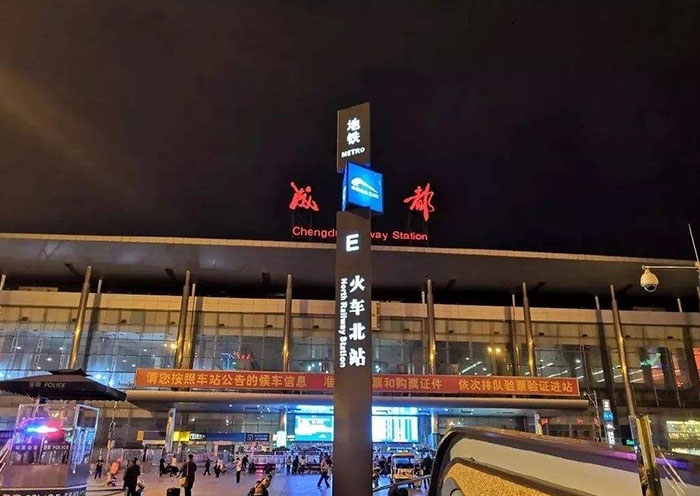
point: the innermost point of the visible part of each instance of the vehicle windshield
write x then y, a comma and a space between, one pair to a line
403, 462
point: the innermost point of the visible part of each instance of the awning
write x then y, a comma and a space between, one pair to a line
62, 385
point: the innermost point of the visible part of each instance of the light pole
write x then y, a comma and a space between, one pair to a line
650, 282
593, 398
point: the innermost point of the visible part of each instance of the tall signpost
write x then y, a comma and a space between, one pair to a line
352, 396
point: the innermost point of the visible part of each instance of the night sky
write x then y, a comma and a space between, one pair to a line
556, 126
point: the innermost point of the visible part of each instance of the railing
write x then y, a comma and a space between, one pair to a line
550, 465
408, 482
4, 452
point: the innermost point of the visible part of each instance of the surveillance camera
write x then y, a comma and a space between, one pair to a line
649, 281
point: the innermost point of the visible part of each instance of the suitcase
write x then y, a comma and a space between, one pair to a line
173, 491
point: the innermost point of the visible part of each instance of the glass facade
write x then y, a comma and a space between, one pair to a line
35, 339
117, 341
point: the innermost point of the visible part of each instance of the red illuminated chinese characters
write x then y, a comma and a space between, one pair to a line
421, 201
302, 199
381, 383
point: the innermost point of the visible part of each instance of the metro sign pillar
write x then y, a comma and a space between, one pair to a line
352, 395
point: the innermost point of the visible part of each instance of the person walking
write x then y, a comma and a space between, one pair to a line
245, 461
239, 468
98, 468
289, 465
426, 468
161, 467
131, 478
187, 472
295, 464
324, 473
217, 468
113, 471
173, 463
207, 467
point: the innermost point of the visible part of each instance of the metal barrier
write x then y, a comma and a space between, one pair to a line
399, 484
4, 451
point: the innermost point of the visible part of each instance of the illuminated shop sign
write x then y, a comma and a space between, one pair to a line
362, 187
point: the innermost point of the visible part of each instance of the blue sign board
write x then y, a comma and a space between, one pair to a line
363, 187
247, 437
257, 436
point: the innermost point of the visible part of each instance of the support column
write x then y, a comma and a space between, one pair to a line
514, 343
434, 429
170, 430
641, 432
287, 335
182, 323
93, 323
282, 429
432, 346
2, 286
529, 335
693, 375
110, 432
424, 337
608, 377
188, 353
80, 321
619, 337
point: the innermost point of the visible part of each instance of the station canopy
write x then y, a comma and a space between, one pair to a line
67, 385
251, 266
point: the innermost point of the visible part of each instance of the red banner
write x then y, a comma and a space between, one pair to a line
381, 383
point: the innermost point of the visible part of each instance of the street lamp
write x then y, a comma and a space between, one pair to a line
650, 282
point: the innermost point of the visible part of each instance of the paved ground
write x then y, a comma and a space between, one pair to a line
282, 485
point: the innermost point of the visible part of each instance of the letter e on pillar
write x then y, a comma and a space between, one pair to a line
352, 242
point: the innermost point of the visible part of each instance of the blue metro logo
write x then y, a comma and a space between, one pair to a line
363, 187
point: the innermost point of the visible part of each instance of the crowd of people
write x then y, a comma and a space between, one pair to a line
133, 483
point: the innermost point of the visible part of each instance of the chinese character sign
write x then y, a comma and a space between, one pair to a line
352, 381
381, 383
421, 201
302, 199
353, 138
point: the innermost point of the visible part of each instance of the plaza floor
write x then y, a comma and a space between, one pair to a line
282, 485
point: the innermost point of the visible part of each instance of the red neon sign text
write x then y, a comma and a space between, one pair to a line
422, 201
302, 199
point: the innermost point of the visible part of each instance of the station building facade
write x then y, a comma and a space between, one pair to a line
135, 309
